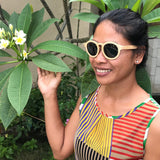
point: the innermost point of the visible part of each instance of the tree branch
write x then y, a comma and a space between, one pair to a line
2, 17
65, 2
52, 16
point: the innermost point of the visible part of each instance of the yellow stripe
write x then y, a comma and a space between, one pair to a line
100, 137
96, 131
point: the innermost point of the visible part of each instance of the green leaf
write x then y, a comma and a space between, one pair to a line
154, 31
24, 19
6, 15
114, 4
50, 62
136, 6
143, 79
88, 17
96, 3
4, 53
13, 20
62, 47
19, 87
41, 29
103, 4
37, 18
2, 63
6, 28
149, 5
153, 16
9, 62
131, 3
4, 77
7, 112
89, 83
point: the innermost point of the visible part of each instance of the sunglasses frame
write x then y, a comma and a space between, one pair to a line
119, 47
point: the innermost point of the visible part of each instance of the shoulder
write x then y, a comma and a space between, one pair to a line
152, 150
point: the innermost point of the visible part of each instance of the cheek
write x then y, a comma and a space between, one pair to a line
91, 60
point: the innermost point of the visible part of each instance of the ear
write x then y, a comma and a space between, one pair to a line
139, 54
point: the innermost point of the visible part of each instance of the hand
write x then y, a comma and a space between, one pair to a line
48, 82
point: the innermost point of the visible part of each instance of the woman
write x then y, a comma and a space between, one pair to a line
115, 120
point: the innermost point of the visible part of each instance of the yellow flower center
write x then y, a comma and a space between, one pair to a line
4, 45
19, 40
25, 54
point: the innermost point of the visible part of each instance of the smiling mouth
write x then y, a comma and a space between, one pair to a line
103, 70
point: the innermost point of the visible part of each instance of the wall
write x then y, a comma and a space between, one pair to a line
153, 65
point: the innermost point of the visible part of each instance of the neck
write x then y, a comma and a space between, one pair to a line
121, 89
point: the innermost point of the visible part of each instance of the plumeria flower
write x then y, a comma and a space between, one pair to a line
24, 55
11, 27
4, 44
19, 40
2, 32
19, 37
20, 33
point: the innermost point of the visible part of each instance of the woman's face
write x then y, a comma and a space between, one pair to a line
112, 71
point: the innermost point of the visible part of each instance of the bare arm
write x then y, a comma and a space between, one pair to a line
60, 137
152, 151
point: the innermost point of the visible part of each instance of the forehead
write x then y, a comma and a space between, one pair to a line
106, 31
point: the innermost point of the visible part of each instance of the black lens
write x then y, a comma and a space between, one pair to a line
92, 48
110, 50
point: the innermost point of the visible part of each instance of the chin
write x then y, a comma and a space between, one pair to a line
102, 82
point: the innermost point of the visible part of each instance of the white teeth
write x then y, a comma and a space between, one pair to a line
103, 70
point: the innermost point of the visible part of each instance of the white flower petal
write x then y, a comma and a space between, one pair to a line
4, 44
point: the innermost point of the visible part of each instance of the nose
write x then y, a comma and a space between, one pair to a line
100, 57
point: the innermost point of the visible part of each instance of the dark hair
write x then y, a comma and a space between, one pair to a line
131, 26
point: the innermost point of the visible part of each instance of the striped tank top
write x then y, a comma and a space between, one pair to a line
99, 137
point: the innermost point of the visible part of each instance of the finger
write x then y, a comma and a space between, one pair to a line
59, 74
39, 72
47, 72
43, 72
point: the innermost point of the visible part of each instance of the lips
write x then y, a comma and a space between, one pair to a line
102, 72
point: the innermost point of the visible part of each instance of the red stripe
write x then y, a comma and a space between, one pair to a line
149, 108
133, 151
151, 105
126, 144
133, 120
140, 115
128, 135
136, 118
133, 125
145, 113
130, 129
129, 132
125, 139
122, 153
140, 158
